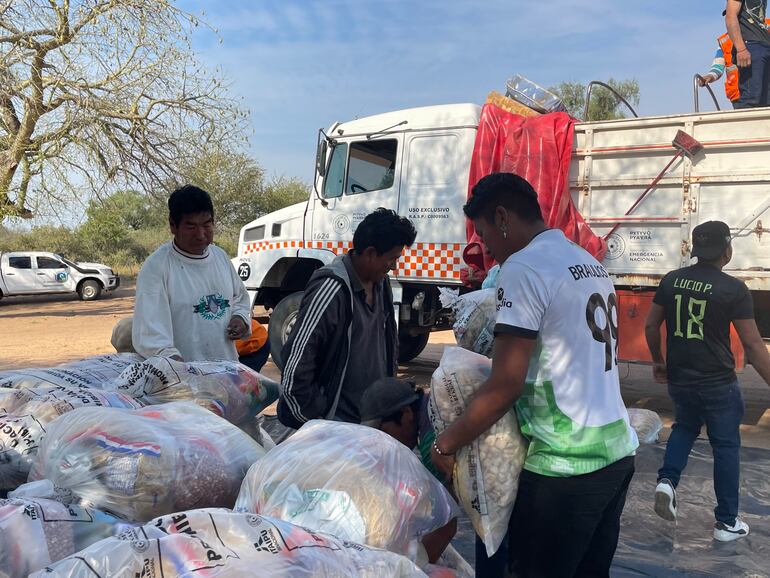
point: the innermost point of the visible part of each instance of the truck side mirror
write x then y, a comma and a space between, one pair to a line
320, 157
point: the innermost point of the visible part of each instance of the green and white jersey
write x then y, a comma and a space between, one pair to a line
571, 410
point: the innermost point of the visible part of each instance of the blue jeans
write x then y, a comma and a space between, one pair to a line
753, 80
720, 408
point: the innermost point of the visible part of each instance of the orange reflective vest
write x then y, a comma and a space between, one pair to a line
732, 89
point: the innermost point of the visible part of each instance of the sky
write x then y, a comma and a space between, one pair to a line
301, 64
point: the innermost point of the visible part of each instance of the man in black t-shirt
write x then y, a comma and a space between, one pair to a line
698, 304
745, 20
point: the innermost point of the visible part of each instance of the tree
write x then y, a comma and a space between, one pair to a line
101, 94
604, 104
238, 188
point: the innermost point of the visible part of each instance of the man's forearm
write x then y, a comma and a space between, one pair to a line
734, 31
654, 343
487, 407
760, 359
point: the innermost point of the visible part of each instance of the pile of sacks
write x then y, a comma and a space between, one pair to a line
125, 480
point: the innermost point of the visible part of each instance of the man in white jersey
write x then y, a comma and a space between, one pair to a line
190, 303
555, 358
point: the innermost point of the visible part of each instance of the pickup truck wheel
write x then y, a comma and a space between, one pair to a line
89, 290
282, 320
410, 346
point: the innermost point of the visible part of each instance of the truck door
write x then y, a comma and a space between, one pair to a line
19, 275
362, 176
53, 275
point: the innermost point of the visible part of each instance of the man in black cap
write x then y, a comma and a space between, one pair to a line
400, 409
698, 303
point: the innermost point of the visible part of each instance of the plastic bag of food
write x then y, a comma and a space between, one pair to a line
30, 411
147, 462
475, 315
219, 543
37, 532
228, 388
352, 481
486, 475
91, 372
646, 423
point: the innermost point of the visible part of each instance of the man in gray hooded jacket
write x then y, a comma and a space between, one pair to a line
345, 337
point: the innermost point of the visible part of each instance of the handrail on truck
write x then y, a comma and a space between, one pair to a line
696, 85
612, 90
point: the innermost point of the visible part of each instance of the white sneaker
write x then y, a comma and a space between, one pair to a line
725, 533
665, 500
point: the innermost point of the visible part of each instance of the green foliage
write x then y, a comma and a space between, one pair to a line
604, 104
123, 229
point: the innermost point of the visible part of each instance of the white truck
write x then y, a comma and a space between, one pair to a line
417, 161
36, 273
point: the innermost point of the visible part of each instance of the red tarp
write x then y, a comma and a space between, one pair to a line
538, 149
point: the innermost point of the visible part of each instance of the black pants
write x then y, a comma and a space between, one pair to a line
568, 527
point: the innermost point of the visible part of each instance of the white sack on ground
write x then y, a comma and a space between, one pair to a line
219, 543
30, 411
475, 314
228, 388
37, 532
91, 372
646, 423
486, 475
143, 463
352, 481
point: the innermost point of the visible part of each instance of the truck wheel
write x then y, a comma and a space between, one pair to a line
282, 320
89, 290
410, 346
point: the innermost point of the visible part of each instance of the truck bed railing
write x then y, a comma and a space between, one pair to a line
695, 86
612, 90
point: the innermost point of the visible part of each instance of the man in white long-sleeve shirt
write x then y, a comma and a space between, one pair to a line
190, 303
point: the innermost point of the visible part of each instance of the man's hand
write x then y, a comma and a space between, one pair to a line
707, 79
743, 58
237, 328
659, 373
444, 464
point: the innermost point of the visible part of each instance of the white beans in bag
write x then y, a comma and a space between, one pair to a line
486, 475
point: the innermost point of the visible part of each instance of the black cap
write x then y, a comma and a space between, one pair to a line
709, 240
385, 397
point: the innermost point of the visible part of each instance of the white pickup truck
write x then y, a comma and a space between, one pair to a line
36, 273
417, 161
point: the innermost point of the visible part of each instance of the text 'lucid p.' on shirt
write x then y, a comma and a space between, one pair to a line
700, 301
571, 410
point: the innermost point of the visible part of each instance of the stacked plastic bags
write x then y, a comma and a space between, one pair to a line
220, 543
487, 472
25, 415
93, 372
230, 390
351, 481
475, 312
142, 463
37, 532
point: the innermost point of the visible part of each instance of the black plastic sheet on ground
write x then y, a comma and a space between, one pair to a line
650, 546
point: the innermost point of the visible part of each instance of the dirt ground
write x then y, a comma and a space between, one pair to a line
49, 330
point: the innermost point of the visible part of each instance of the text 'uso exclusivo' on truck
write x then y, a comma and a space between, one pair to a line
417, 162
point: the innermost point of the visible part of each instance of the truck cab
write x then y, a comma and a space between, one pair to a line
414, 161
35, 273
